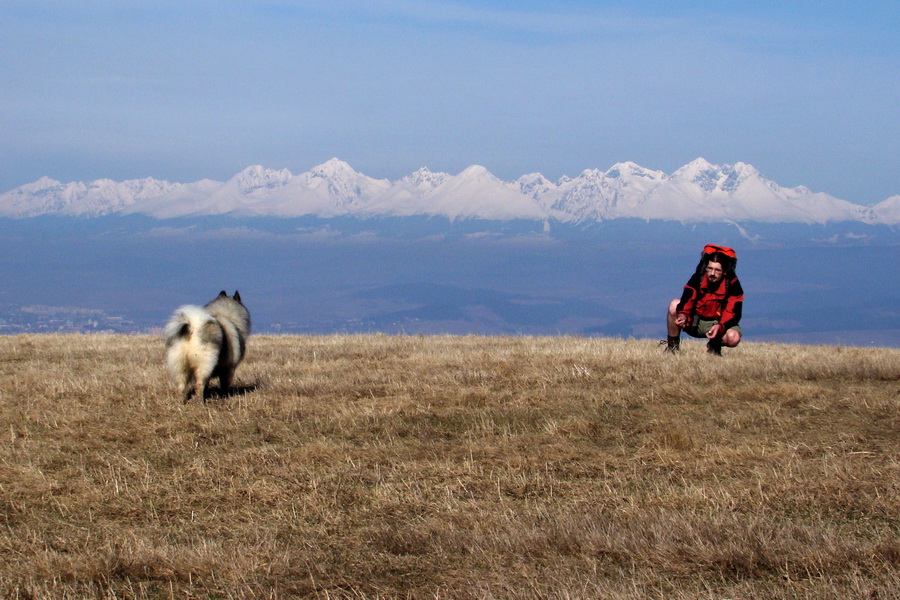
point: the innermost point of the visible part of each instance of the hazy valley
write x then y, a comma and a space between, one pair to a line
807, 283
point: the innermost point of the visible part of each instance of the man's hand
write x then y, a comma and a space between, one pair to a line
715, 331
681, 320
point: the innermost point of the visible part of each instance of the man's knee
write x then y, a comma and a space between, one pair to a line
673, 306
731, 338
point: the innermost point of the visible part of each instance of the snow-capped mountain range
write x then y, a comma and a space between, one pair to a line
697, 192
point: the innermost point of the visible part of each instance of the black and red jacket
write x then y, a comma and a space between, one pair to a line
723, 303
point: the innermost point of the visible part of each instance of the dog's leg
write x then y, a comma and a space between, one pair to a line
187, 386
226, 375
203, 387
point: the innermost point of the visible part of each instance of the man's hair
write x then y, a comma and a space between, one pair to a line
729, 263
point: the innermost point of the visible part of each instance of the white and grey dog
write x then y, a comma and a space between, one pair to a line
205, 342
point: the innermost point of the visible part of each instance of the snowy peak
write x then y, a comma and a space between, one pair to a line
628, 171
535, 185
626, 183
333, 168
695, 168
715, 179
406, 197
44, 183
745, 169
477, 194
99, 197
477, 172
697, 192
597, 195
337, 183
257, 177
700, 173
887, 211
423, 179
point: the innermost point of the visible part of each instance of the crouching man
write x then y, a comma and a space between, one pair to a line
710, 306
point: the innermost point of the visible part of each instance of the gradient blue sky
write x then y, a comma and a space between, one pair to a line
808, 92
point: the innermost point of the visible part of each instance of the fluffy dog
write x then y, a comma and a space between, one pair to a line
206, 342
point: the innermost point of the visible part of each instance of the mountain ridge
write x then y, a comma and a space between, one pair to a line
697, 192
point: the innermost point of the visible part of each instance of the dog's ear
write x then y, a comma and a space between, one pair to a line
222, 294
237, 295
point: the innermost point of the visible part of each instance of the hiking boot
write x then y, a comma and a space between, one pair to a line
673, 344
714, 347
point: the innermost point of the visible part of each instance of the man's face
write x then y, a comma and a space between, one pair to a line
714, 272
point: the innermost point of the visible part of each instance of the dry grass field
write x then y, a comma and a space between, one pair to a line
450, 467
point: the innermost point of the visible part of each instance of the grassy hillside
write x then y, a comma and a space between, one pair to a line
450, 467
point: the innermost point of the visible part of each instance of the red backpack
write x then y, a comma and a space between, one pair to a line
727, 255
712, 248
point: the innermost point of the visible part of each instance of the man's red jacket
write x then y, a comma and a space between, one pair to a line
723, 303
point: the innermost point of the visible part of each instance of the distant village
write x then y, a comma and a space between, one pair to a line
57, 319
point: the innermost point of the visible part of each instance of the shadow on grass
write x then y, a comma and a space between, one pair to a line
236, 391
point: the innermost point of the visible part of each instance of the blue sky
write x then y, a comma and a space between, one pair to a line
808, 92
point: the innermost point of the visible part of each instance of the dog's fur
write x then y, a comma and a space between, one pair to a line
206, 342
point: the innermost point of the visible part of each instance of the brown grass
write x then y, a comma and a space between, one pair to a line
450, 467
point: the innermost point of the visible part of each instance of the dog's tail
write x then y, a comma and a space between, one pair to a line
185, 321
